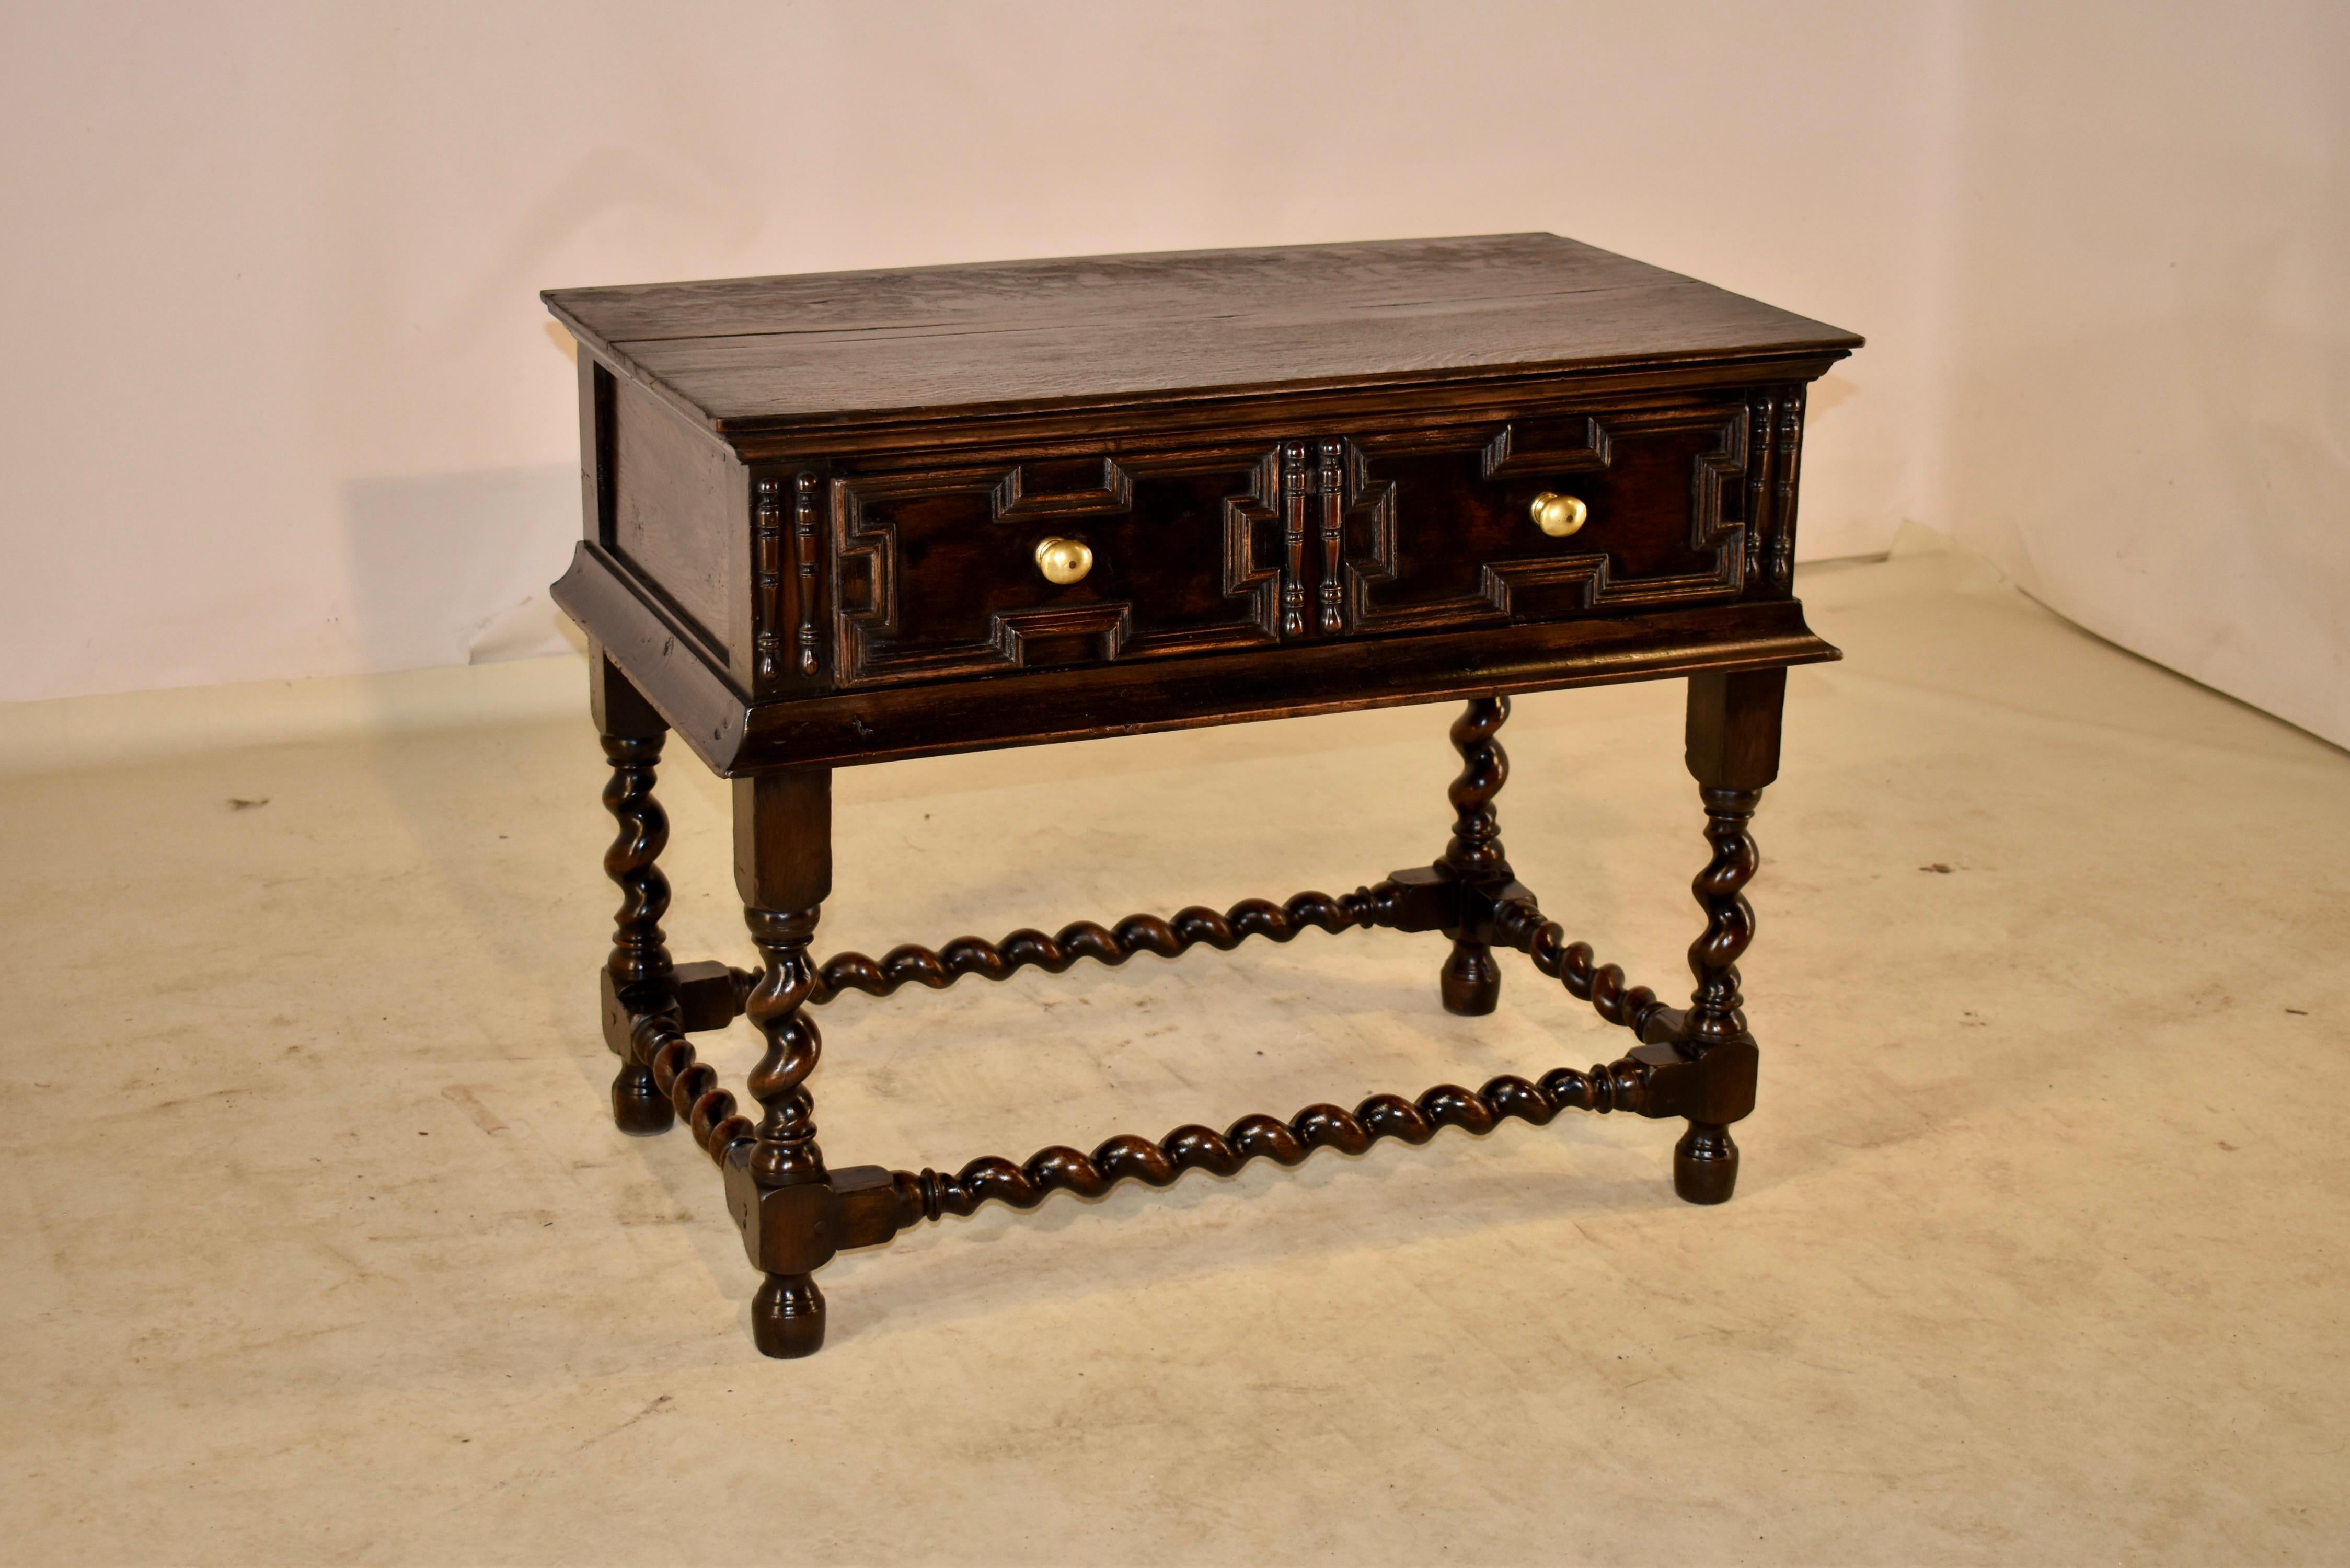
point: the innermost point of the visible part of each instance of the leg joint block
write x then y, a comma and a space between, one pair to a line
703, 996
1715, 1086
797, 1229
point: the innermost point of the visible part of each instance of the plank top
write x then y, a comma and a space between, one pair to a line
761, 353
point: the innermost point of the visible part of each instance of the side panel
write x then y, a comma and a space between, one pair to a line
677, 517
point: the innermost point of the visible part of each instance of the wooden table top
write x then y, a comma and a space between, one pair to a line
773, 353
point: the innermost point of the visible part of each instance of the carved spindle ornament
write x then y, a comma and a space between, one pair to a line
768, 535
804, 546
1293, 538
1333, 487
1790, 453
1761, 411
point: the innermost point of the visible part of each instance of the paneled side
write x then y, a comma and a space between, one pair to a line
679, 519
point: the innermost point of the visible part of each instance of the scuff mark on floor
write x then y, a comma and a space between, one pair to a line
461, 1096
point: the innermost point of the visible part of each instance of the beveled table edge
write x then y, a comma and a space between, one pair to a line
771, 437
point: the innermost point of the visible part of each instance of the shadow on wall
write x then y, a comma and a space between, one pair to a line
452, 568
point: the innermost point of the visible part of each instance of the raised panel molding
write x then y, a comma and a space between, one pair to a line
1239, 576
867, 573
1017, 499
1581, 443
1034, 638
1576, 444
1324, 492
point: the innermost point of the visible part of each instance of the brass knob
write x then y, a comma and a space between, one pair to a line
1559, 515
1064, 560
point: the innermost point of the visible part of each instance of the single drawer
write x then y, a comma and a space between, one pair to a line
1442, 529
936, 572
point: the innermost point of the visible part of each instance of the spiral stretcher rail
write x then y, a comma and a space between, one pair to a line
1696, 1062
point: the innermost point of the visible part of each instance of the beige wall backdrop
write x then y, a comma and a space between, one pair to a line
2144, 354
282, 400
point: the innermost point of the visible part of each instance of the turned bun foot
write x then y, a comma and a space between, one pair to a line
788, 1317
1471, 981
639, 1107
1705, 1164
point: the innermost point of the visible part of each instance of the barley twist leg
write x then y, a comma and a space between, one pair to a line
1733, 752
637, 976
1471, 981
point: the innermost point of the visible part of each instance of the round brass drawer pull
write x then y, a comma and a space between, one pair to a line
1559, 515
1064, 560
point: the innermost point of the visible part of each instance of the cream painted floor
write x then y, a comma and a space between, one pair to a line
320, 1248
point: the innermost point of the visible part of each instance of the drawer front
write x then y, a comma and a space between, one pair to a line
936, 572
1376, 533
1437, 528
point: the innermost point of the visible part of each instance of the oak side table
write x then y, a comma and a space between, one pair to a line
843, 519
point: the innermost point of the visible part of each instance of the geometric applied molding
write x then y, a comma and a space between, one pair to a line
869, 566
1576, 444
1547, 584
1054, 492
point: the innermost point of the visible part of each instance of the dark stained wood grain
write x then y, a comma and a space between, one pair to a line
1020, 433
638, 976
1474, 860
1732, 752
1047, 705
783, 868
1621, 1085
1730, 738
751, 353
679, 500
938, 576
617, 707
783, 839
1205, 549
758, 594
1306, 478
913, 964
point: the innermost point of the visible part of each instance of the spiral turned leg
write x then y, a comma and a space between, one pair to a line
782, 868
639, 973
1705, 1162
787, 1316
1714, 1015
787, 1149
1471, 981
1733, 752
